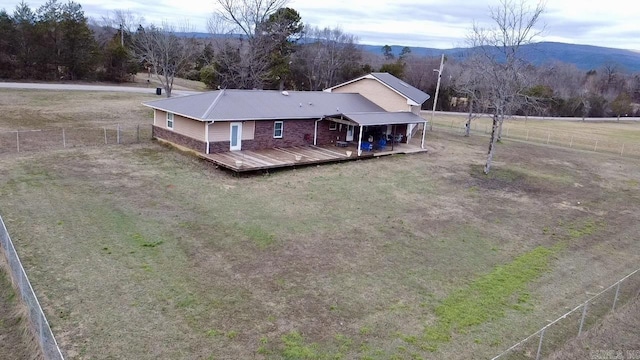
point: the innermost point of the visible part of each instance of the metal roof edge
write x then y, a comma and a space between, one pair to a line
213, 104
173, 112
368, 76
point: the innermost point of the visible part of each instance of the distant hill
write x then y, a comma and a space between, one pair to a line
585, 57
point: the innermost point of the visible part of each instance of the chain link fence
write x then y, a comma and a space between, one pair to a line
547, 137
69, 137
37, 320
551, 337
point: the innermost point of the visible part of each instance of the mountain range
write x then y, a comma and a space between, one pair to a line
584, 57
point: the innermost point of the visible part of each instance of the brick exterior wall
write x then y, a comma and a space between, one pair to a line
179, 139
328, 137
293, 134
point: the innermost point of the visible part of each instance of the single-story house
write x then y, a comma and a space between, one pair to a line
230, 120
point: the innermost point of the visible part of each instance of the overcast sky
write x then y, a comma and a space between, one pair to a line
426, 23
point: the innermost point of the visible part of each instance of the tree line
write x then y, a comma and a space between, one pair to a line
265, 45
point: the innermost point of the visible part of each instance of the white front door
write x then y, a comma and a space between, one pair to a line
236, 136
349, 133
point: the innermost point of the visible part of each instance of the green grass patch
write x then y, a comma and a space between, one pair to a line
488, 297
587, 227
295, 348
259, 236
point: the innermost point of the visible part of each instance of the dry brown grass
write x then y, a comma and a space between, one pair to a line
612, 137
178, 83
16, 341
616, 337
143, 252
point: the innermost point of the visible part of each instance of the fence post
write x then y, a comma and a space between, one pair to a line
622, 151
18, 141
138, 133
540, 344
64, 139
105, 136
595, 148
118, 134
584, 314
615, 299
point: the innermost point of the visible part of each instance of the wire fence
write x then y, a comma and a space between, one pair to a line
547, 137
551, 337
37, 320
17, 141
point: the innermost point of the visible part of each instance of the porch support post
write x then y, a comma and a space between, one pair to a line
393, 136
424, 133
206, 136
315, 133
360, 141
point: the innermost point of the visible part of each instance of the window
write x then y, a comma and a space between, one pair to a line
277, 129
333, 125
169, 121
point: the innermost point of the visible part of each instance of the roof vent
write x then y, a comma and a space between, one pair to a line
285, 93
300, 104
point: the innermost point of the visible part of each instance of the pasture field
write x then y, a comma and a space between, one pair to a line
140, 251
600, 136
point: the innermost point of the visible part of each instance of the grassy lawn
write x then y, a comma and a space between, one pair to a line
142, 252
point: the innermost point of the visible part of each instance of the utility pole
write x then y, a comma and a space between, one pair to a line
435, 99
121, 36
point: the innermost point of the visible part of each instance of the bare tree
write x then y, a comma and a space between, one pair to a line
470, 87
166, 53
256, 42
326, 56
246, 15
419, 72
497, 61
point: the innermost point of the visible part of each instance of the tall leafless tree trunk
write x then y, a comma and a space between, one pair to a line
497, 61
492, 144
467, 125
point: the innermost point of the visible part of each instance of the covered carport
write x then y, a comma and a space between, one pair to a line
379, 119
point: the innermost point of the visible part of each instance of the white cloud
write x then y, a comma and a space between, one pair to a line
431, 23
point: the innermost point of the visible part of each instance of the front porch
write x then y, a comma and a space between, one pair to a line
255, 160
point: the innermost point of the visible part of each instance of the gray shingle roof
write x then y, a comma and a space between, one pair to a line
408, 91
264, 104
385, 118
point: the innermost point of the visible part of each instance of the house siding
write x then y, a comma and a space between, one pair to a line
181, 125
293, 134
179, 139
377, 93
220, 131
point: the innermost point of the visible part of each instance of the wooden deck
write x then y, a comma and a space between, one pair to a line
248, 160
